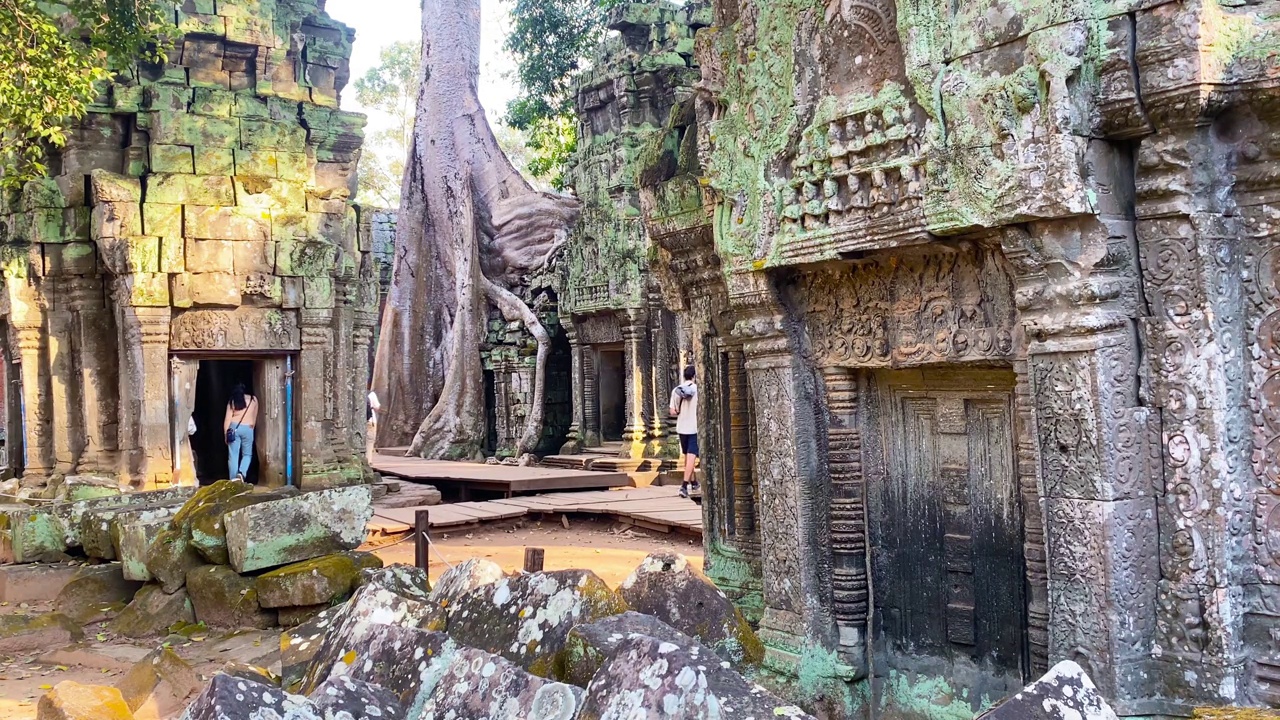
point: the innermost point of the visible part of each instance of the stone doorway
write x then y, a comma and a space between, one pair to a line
946, 531
202, 389
611, 380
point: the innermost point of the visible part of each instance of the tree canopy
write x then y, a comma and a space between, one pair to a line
51, 63
551, 41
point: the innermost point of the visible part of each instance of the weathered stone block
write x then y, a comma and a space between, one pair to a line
72, 513
295, 167
527, 618
344, 697
314, 582
180, 189
201, 24
206, 527
76, 224
69, 700
133, 255
209, 256
403, 659
158, 685
133, 546
213, 288
1063, 693
112, 187
180, 128
170, 557
256, 163
463, 578
270, 194
171, 98
646, 673
590, 645
162, 220
94, 591
31, 534
75, 488
172, 159
272, 135
253, 257
304, 258
223, 598
23, 633
299, 614
300, 528
173, 255
153, 611
147, 289
226, 223
76, 258
232, 698
299, 645
665, 587
318, 292
38, 581
215, 161
208, 101
42, 193
247, 105
113, 220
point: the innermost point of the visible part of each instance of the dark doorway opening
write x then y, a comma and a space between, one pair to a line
214, 382
612, 383
490, 413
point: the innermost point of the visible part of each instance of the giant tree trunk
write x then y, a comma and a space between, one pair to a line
469, 227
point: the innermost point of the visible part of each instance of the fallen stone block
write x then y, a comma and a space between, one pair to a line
344, 697
234, 698
206, 497
295, 616
74, 488
209, 536
251, 672
100, 528
477, 684
159, 685
23, 633
405, 661
413, 496
299, 528
170, 557
299, 645
373, 605
590, 645
72, 513
152, 612
404, 580
69, 700
20, 583
31, 534
94, 592
1063, 693
133, 546
666, 587
526, 618
463, 578
687, 683
314, 582
225, 599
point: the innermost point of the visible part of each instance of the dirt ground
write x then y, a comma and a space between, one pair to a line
611, 550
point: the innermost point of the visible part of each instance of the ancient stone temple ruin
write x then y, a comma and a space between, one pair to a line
983, 299
197, 232
623, 337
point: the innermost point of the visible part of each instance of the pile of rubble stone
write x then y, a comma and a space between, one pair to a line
536, 646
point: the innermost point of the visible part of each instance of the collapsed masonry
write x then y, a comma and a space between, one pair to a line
197, 231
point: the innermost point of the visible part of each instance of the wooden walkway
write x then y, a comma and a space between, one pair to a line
653, 508
506, 479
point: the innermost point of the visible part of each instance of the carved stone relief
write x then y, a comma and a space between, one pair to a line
239, 329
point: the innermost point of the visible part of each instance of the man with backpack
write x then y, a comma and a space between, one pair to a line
684, 405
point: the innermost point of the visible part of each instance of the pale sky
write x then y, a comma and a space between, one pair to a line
381, 22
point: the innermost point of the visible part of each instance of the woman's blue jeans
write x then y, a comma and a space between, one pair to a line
240, 451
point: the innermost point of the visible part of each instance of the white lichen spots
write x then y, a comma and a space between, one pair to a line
652, 675
488, 669
418, 653
667, 647
502, 593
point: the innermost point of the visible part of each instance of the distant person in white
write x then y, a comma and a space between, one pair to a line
371, 432
684, 405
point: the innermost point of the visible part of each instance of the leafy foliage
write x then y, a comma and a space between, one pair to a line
51, 64
551, 41
390, 87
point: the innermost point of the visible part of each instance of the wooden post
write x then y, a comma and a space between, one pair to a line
533, 558
421, 523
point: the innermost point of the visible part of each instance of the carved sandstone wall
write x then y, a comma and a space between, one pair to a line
201, 208
983, 294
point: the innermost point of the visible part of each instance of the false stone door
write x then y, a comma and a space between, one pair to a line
946, 531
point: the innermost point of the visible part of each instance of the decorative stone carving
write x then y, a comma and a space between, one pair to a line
240, 329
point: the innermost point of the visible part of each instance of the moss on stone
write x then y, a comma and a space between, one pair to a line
205, 497
319, 581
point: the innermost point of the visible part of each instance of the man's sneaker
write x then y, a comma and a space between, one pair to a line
697, 486
684, 491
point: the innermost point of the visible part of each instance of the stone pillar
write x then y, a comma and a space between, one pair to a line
364, 329
155, 466
663, 442
590, 399
95, 331
792, 511
64, 383
742, 513
573, 443
639, 374
314, 397
29, 337
344, 377
848, 514
1095, 439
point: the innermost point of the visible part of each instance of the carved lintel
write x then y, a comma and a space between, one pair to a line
240, 329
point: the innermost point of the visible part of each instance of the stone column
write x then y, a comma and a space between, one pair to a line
64, 383
742, 513
639, 373
590, 399
37, 436
95, 331
364, 329
314, 397
792, 511
573, 444
1094, 440
848, 514
663, 441
156, 456
345, 380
